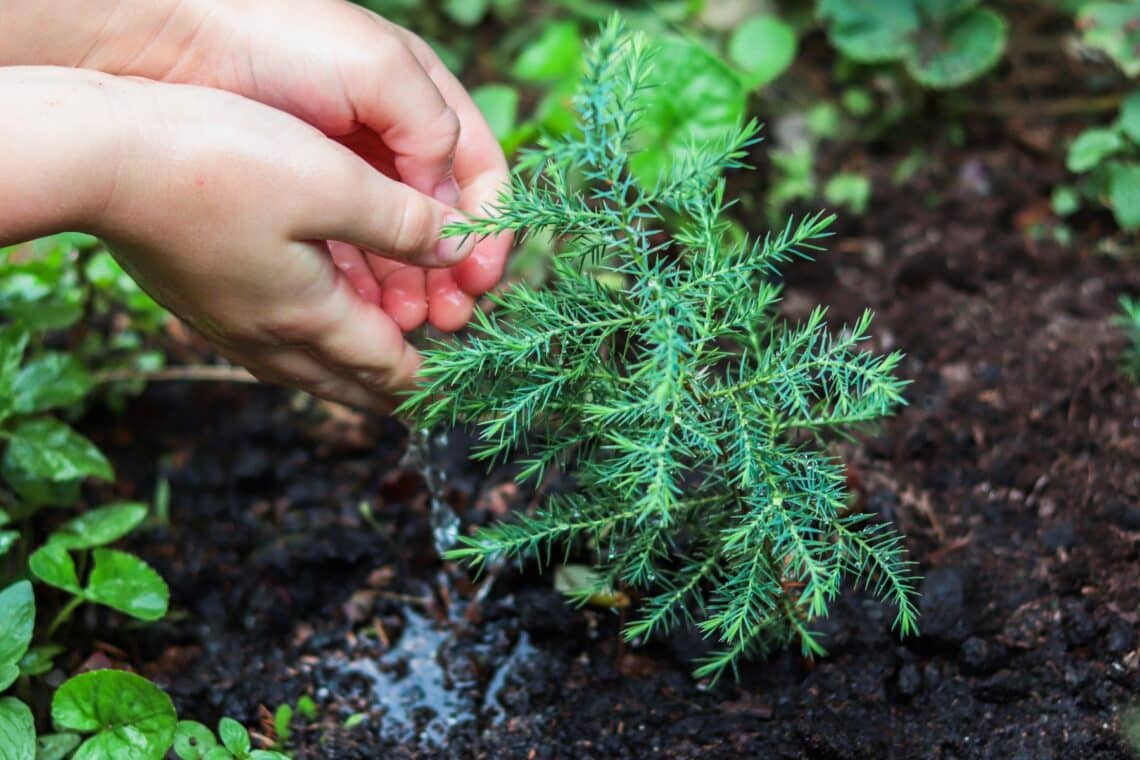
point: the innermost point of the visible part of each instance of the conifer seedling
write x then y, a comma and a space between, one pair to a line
655, 370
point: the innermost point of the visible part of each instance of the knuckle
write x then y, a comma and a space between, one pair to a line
413, 227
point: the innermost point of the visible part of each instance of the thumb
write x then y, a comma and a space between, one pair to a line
353, 203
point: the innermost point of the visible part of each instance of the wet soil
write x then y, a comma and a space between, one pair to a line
1013, 472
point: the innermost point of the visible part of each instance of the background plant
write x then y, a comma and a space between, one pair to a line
940, 43
695, 420
44, 464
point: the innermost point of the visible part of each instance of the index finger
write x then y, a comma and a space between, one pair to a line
479, 167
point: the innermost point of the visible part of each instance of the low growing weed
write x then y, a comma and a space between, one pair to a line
43, 464
694, 420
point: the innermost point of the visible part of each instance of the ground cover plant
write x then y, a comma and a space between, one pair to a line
43, 580
695, 418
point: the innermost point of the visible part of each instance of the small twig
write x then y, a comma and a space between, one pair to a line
190, 373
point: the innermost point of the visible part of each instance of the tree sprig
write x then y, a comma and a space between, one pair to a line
695, 420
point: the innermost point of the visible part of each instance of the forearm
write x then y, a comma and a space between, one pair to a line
141, 37
59, 150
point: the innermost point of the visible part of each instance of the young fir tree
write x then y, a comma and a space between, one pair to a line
694, 419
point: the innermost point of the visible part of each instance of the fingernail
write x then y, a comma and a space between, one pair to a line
452, 250
447, 192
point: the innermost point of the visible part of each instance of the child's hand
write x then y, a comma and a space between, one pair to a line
371, 85
219, 206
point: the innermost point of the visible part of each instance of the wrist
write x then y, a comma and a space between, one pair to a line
62, 154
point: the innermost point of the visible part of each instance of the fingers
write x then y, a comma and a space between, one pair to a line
351, 202
479, 167
449, 306
340, 347
402, 291
413, 119
351, 262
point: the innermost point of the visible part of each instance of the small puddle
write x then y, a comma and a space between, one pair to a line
412, 687
421, 702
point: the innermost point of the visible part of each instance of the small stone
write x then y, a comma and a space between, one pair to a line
942, 605
981, 657
1121, 636
909, 680
1059, 535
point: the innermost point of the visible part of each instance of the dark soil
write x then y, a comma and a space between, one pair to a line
1013, 473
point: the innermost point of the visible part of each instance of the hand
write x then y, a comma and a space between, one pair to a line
219, 208
369, 84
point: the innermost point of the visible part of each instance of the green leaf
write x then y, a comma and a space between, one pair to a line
118, 580
17, 730
218, 753
99, 526
267, 754
692, 97
1124, 194
13, 343
1114, 28
17, 621
962, 51
50, 381
192, 740
850, 190
307, 707
764, 47
38, 659
1091, 148
8, 538
555, 55
1066, 200
466, 12
54, 566
283, 723
870, 31
944, 10
1130, 117
234, 736
130, 717
50, 450
126, 583
56, 746
499, 104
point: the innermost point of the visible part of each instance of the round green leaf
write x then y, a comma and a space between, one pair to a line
1066, 200
17, 730
17, 619
1091, 148
556, 54
961, 51
7, 539
234, 736
56, 746
54, 566
695, 98
499, 104
1124, 194
124, 582
763, 47
47, 449
850, 190
1130, 117
870, 31
130, 717
218, 753
50, 381
99, 526
192, 740
1114, 28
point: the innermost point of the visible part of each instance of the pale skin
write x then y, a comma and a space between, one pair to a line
276, 172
